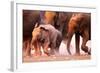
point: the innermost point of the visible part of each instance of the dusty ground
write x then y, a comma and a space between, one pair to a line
63, 54
55, 58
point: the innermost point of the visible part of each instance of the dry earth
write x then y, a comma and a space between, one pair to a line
63, 54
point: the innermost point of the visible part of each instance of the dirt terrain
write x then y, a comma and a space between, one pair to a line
55, 58
63, 54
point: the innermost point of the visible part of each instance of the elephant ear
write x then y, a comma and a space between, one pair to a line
43, 28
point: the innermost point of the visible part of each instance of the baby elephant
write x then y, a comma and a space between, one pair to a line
48, 37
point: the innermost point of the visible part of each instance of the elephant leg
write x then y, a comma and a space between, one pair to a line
84, 47
24, 48
28, 50
69, 37
55, 45
85, 39
45, 48
58, 42
37, 48
57, 50
52, 51
77, 42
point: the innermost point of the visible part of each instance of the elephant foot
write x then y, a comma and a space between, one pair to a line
89, 51
85, 49
68, 51
57, 53
47, 53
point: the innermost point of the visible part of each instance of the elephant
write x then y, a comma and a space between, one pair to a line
51, 17
80, 25
62, 22
47, 36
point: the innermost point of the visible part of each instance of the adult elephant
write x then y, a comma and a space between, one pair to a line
51, 17
62, 22
80, 25
30, 18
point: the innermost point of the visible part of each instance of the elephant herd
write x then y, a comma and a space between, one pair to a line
47, 29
